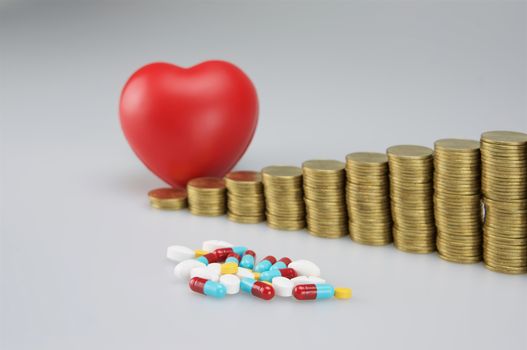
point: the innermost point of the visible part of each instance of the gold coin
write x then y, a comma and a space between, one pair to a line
168, 198
509, 138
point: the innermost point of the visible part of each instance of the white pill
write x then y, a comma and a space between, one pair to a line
215, 244
300, 280
305, 268
205, 273
231, 283
214, 268
243, 272
316, 280
182, 270
179, 253
283, 287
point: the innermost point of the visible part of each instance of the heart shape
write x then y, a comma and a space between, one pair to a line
184, 123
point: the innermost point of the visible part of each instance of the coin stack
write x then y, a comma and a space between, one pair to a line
504, 185
368, 198
245, 197
284, 197
325, 198
206, 196
168, 198
457, 200
411, 190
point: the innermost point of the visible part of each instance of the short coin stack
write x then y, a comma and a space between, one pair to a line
504, 185
324, 195
245, 197
457, 200
168, 198
411, 191
207, 196
284, 197
368, 198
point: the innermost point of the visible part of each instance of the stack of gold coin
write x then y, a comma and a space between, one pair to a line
457, 200
504, 185
368, 198
207, 196
245, 197
411, 191
284, 197
168, 198
325, 198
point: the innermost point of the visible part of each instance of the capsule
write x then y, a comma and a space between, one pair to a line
223, 252
281, 264
207, 287
233, 258
248, 259
269, 275
208, 258
259, 289
265, 264
313, 291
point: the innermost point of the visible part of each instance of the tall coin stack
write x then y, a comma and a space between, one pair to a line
457, 200
368, 198
325, 198
245, 197
284, 197
504, 185
206, 196
411, 191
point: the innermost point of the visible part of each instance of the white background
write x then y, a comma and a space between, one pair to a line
82, 253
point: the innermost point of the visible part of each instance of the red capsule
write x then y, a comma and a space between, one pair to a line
233, 257
250, 252
313, 291
208, 258
262, 290
222, 253
286, 261
288, 273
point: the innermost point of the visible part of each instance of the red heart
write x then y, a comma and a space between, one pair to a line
186, 123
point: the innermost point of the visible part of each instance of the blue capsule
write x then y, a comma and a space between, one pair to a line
247, 260
265, 264
281, 264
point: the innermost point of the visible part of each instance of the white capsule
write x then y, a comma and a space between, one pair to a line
243, 272
214, 244
205, 273
231, 283
305, 268
215, 268
182, 270
300, 280
179, 253
283, 287
316, 280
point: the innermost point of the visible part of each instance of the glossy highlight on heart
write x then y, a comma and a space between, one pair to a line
184, 123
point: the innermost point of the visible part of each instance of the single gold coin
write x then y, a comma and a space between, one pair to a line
324, 165
456, 145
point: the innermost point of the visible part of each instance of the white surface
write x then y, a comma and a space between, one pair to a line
82, 254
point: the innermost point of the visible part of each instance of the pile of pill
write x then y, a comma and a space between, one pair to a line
220, 268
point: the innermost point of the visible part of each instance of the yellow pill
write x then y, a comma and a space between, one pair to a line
200, 252
256, 275
229, 268
342, 293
